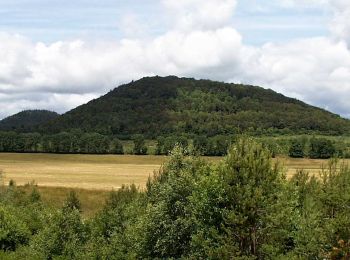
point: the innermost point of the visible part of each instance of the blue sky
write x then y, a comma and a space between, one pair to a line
59, 54
54, 20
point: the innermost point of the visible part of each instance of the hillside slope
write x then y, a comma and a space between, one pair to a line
27, 120
169, 105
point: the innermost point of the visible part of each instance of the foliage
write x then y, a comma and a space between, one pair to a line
296, 149
73, 142
13, 231
240, 208
27, 120
163, 106
234, 216
72, 202
321, 148
139, 145
166, 228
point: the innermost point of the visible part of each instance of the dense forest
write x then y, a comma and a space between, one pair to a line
162, 106
78, 142
242, 207
26, 121
203, 116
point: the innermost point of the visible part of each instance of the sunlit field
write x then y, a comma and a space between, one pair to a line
95, 172
104, 172
93, 176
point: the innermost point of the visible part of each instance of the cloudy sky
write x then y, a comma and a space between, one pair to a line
58, 54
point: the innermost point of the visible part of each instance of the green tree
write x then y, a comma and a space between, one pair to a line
234, 205
63, 235
321, 148
166, 228
72, 202
160, 145
201, 144
139, 145
117, 147
296, 149
13, 231
113, 228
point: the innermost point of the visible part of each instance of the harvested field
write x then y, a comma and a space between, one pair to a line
103, 172
92, 176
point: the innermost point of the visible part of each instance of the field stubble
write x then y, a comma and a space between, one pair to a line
92, 176
105, 172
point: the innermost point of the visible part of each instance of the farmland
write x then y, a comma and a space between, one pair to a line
92, 176
103, 172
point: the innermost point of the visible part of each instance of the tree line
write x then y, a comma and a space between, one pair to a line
89, 143
240, 208
94, 143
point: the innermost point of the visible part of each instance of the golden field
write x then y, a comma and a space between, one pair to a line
103, 172
93, 172
92, 176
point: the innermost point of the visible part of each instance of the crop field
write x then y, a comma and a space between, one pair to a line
93, 172
103, 172
92, 176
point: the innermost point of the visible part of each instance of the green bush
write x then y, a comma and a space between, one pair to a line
139, 145
296, 149
13, 231
321, 148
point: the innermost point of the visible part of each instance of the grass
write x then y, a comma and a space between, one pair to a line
92, 201
103, 172
312, 166
93, 172
93, 176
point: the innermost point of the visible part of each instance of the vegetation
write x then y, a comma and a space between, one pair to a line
164, 106
321, 148
27, 120
200, 115
297, 148
316, 147
240, 208
74, 142
139, 145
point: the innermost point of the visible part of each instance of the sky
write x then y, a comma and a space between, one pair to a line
59, 54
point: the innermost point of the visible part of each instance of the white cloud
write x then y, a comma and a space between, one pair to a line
315, 70
200, 14
201, 44
340, 25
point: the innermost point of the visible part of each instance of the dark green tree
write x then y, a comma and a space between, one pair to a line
166, 229
296, 149
201, 144
13, 231
117, 147
139, 145
72, 202
234, 206
321, 148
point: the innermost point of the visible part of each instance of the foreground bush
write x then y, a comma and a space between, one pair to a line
240, 208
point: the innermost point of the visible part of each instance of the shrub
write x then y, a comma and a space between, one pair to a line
296, 149
321, 148
13, 232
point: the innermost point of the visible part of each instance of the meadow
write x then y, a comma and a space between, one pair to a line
93, 176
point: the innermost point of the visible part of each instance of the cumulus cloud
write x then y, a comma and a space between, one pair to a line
198, 14
200, 43
314, 70
341, 22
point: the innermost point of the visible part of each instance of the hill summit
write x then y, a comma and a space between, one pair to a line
27, 120
156, 106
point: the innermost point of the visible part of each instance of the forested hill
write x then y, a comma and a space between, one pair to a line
157, 106
27, 120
